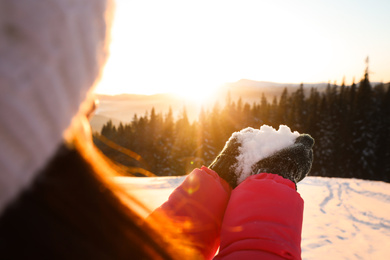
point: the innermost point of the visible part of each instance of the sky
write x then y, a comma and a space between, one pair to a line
192, 47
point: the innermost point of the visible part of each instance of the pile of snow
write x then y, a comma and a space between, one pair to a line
257, 144
343, 218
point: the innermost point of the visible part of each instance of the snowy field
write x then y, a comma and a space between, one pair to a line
343, 219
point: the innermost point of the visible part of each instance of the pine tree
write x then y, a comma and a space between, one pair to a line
283, 109
165, 144
324, 146
184, 144
298, 112
383, 146
363, 132
109, 130
264, 111
205, 151
272, 115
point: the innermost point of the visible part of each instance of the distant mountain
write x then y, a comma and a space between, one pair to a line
251, 90
267, 84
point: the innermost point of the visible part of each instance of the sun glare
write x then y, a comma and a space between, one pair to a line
196, 93
165, 47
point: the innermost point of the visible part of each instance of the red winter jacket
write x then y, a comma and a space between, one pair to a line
260, 219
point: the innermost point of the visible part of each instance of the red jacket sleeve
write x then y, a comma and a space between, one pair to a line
263, 220
197, 207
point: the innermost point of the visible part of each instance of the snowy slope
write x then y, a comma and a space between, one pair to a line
343, 219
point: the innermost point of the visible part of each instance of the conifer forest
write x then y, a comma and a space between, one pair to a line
350, 125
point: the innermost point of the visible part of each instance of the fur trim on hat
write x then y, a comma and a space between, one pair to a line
52, 52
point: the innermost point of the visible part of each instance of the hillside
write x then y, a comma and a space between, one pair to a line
343, 218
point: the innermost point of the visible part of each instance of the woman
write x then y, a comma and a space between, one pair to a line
57, 198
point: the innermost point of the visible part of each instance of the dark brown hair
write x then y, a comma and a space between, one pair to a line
72, 211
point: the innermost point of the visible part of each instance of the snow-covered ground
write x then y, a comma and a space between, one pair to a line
343, 219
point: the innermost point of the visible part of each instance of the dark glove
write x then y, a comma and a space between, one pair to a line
293, 162
226, 160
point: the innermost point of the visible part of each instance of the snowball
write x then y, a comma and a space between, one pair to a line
257, 144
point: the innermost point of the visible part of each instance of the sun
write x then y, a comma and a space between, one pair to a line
194, 95
194, 91
117, 80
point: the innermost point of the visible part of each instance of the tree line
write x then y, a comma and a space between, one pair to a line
350, 125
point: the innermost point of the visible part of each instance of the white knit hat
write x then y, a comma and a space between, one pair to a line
51, 52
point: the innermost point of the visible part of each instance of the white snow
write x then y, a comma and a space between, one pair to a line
257, 144
343, 218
